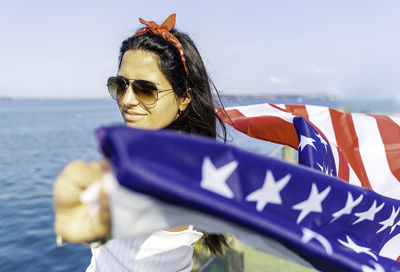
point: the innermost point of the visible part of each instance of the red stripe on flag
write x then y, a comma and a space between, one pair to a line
347, 141
344, 171
229, 116
269, 128
299, 110
390, 134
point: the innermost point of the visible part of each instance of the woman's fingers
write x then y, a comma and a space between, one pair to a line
66, 189
83, 174
75, 177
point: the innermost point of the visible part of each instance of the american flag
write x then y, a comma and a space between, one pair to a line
365, 147
167, 179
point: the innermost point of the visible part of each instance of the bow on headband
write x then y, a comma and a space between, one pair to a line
163, 31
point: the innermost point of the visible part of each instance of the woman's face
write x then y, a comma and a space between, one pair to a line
139, 64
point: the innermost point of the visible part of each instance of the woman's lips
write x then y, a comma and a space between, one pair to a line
132, 116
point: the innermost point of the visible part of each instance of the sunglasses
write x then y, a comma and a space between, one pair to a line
145, 91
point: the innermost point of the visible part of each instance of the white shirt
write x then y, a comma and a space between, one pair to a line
161, 251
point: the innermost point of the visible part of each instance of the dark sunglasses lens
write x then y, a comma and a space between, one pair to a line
145, 91
116, 87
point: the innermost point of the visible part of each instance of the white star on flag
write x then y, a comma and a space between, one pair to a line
370, 214
308, 235
325, 170
322, 140
377, 268
214, 179
348, 208
398, 224
390, 221
269, 192
312, 204
356, 248
304, 141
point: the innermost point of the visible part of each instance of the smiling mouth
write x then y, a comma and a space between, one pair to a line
132, 116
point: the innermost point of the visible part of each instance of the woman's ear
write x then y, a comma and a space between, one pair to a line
184, 101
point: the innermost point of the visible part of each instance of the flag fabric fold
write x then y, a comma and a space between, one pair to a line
277, 207
362, 149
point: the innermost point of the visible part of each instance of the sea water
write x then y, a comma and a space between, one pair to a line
37, 139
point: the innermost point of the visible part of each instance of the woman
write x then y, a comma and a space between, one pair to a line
161, 83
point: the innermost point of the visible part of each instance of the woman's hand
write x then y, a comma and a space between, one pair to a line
72, 222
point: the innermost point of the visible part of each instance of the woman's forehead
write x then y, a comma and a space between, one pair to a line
139, 64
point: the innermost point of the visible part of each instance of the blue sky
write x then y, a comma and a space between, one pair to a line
62, 49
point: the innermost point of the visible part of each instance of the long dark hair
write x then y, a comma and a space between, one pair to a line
199, 117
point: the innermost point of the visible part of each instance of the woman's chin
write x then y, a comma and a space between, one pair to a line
131, 124
139, 125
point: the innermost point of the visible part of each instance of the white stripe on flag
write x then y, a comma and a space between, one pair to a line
321, 117
374, 157
353, 179
264, 109
395, 119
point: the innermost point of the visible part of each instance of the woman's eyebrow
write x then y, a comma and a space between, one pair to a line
138, 79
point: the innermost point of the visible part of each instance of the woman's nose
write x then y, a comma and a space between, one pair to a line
129, 98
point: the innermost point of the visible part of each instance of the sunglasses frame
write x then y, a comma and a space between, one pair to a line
129, 82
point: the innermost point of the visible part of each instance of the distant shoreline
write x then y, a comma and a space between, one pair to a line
378, 105
291, 98
228, 96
